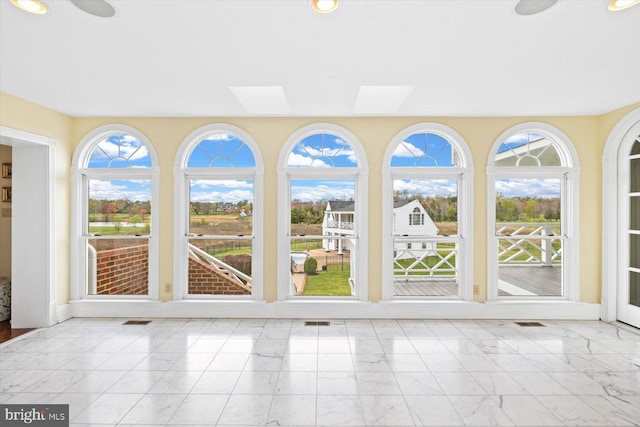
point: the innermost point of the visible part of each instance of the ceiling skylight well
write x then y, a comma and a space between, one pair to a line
381, 99
262, 99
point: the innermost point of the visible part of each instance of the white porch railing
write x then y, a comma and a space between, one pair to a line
340, 225
222, 268
425, 257
529, 243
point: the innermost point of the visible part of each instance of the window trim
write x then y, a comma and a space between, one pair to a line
182, 174
359, 174
79, 193
464, 175
569, 174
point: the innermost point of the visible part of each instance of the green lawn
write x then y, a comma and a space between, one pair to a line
328, 283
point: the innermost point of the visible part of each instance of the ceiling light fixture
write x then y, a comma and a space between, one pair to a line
531, 7
99, 8
616, 5
324, 6
31, 6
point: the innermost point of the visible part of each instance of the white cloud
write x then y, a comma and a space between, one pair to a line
297, 160
203, 184
109, 190
427, 188
406, 149
233, 196
545, 188
312, 193
125, 146
219, 137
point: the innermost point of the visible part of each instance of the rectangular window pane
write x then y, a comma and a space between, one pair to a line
425, 267
528, 216
221, 207
634, 250
219, 267
322, 267
634, 288
117, 266
634, 212
425, 211
634, 176
322, 207
119, 207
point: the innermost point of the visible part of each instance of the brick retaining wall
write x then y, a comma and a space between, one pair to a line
205, 281
123, 271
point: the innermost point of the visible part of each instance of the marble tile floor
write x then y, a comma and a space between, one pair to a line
196, 372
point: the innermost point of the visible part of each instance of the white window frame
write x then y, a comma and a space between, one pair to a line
568, 174
359, 175
182, 176
463, 174
80, 175
618, 141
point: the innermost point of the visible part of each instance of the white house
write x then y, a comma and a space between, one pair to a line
410, 220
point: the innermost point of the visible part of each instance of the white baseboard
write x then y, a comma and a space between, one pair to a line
542, 310
63, 313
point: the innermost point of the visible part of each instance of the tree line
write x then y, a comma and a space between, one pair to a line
108, 209
528, 209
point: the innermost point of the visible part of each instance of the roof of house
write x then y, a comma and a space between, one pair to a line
401, 203
342, 205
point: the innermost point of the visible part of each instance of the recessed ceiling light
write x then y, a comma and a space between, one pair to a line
31, 6
99, 8
616, 5
531, 7
324, 6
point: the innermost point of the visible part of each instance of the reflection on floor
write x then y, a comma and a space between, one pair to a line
6, 333
353, 372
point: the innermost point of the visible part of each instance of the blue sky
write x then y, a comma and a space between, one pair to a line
423, 149
120, 151
322, 150
223, 151
519, 140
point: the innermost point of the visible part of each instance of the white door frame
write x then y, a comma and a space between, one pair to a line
34, 289
629, 124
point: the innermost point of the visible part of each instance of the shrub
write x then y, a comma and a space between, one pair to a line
310, 266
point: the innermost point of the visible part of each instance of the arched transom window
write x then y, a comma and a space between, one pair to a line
531, 175
322, 187
427, 193
219, 221
114, 185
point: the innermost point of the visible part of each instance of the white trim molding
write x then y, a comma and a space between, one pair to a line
359, 174
332, 309
182, 175
79, 195
629, 124
45, 314
463, 174
568, 173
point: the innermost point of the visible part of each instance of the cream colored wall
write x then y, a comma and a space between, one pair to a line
5, 220
29, 117
588, 134
480, 133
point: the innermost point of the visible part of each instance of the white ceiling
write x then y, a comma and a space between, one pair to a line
453, 57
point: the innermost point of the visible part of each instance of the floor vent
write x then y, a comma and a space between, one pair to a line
137, 322
534, 324
316, 323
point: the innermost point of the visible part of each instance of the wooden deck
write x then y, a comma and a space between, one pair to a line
513, 281
523, 281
